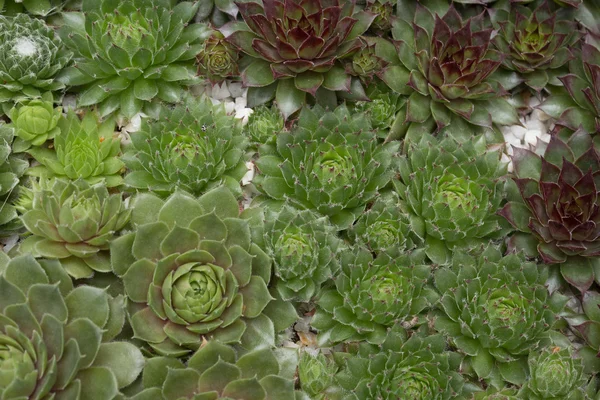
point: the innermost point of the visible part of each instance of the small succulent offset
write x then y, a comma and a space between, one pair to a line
31, 55
556, 373
582, 105
538, 43
370, 296
495, 310
494, 394
386, 228
191, 272
316, 374
385, 15
74, 222
129, 54
366, 63
56, 340
419, 368
383, 110
82, 149
556, 206
264, 124
332, 163
304, 247
194, 147
35, 121
218, 59
453, 190
298, 44
217, 371
11, 170
445, 65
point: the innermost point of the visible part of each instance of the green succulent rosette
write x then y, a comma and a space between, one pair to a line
366, 63
316, 374
555, 373
82, 150
263, 126
74, 222
132, 54
35, 121
418, 368
194, 147
218, 59
538, 43
12, 169
31, 56
386, 228
304, 248
217, 371
453, 190
191, 272
445, 64
369, 296
56, 340
384, 110
496, 310
384, 9
331, 163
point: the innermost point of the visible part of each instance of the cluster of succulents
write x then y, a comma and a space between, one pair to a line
299, 199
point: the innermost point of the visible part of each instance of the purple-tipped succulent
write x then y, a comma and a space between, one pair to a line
445, 64
559, 210
298, 43
538, 42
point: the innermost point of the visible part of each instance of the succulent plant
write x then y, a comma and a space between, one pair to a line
264, 124
445, 66
11, 169
366, 63
385, 228
372, 295
191, 272
495, 310
385, 15
31, 56
417, 369
304, 248
217, 371
453, 190
82, 149
218, 58
40, 8
298, 44
194, 146
56, 340
35, 121
586, 325
494, 394
331, 163
581, 107
556, 373
383, 110
556, 208
316, 374
74, 222
538, 43
129, 54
